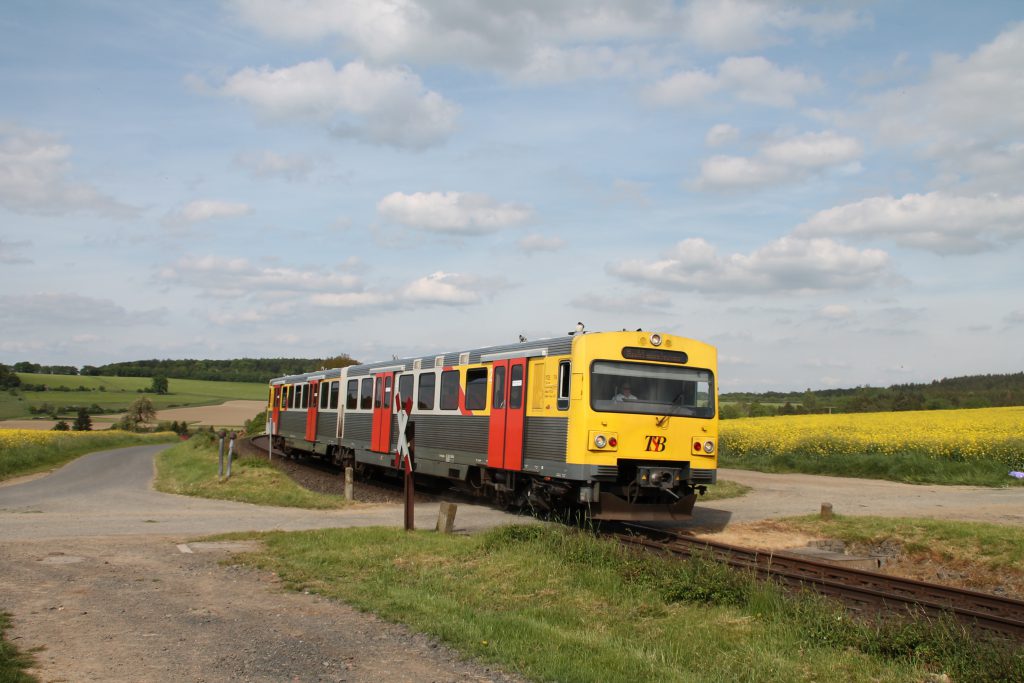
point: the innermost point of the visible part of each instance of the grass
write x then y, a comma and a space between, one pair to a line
13, 663
724, 489
25, 451
555, 604
190, 469
115, 393
911, 468
996, 547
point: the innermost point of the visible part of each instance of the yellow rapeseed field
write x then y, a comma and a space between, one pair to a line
28, 450
984, 433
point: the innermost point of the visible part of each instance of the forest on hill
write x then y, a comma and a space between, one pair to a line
236, 370
974, 391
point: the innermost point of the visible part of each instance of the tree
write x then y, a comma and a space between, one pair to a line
8, 380
159, 385
61, 426
83, 423
141, 410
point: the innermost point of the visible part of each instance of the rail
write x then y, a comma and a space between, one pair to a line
860, 589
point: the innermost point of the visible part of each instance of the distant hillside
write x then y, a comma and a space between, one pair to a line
237, 370
974, 391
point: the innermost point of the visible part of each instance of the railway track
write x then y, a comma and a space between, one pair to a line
861, 590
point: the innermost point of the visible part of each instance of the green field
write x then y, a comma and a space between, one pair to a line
113, 394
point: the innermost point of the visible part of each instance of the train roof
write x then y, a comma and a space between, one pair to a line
556, 346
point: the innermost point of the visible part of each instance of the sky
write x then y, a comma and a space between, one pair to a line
830, 193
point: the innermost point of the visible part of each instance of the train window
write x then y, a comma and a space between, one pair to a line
498, 395
325, 394
405, 388
564, 375
352, 395
366, 396
292, 393
425, 393
387, 391
646, 388
515, 387
284, 397
305, 395
450, 390
378, 392
332, 403
476, 389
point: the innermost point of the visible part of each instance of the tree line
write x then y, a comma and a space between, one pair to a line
973, 391
236, 370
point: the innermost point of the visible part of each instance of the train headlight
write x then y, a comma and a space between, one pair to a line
655, 339
709, 447
600, 441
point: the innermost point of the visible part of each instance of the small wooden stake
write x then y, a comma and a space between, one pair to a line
826, 510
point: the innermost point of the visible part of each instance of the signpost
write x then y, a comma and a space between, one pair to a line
406, 457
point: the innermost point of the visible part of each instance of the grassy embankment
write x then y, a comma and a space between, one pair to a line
13, 663
977, 447
26, 451
113, 394
190, 469
556, 604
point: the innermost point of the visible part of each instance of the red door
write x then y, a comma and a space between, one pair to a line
314, 402
380, 440
508, 413
275, 410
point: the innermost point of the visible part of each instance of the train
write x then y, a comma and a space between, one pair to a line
623, 424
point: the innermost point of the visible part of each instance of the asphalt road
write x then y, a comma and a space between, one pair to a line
108, 494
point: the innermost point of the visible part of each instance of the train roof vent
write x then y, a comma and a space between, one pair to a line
464, 358
439, 362
417, 364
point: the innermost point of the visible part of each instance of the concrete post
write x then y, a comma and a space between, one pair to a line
348, 484
826, 510
446, 517
220, 455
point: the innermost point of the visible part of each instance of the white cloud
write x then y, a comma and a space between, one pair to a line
935, 221
10, 252
379, 105
206, 209
754, 80
353, 299
54, 309
535, 243
787, 264
442, 288
835, 311
238, 278
783, 160
267, 164
965, 115
36, 178
458, 213
721, 134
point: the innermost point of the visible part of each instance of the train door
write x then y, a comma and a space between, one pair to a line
508, 414
275, 409
382, 387
314, 401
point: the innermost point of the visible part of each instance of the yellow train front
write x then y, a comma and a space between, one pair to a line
622, 423
643, 426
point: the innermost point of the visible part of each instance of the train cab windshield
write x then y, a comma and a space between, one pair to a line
649, 389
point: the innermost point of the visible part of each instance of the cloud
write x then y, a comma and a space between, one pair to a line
202, 210
536, 243
788, 264
442, 288
9, 252
388, 105
35, 178
835, 311
238, 278
753, 80
546, 41
941, 118
650, 301
721, 134
457, 213
267, 164
55, 309
783, 160
938, 222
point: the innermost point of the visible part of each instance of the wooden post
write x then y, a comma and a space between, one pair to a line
348, 484
446, 517
826, 510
